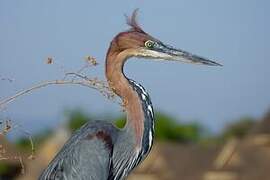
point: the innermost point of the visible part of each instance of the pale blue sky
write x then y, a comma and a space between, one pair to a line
233, 32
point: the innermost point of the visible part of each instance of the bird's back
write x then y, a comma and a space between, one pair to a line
86, 155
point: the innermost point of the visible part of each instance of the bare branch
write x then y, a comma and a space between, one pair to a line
90, 83
76, 78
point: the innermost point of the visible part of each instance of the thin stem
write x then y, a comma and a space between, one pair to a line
86, 83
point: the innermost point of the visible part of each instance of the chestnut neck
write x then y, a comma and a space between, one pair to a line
121, 86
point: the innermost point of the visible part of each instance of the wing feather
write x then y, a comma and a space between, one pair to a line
86, 155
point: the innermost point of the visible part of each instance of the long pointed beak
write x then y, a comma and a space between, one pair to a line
167, 52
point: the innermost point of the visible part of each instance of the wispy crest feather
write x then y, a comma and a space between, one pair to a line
132, 22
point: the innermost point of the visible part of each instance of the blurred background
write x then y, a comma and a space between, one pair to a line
212, 123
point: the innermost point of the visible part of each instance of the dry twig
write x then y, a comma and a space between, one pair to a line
7, 127
90, 83
81, 79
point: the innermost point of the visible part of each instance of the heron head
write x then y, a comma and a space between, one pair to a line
143, 45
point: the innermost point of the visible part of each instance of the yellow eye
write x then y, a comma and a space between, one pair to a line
149, 44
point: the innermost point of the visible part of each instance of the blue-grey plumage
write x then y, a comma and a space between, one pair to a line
88, 150
99, 150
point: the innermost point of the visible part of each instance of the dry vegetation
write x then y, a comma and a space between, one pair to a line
7, 127
74, 77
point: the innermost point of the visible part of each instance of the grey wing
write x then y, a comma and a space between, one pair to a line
87, 155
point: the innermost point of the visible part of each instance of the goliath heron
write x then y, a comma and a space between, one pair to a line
101, 151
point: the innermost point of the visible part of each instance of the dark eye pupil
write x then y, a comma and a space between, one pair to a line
149, 44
